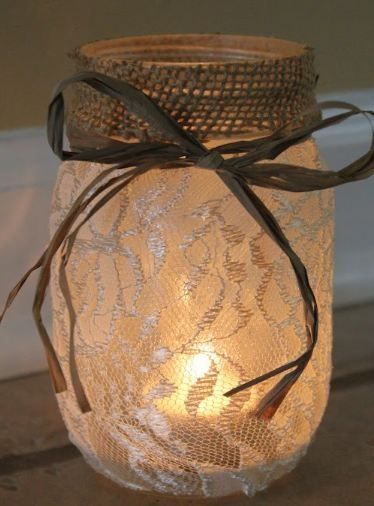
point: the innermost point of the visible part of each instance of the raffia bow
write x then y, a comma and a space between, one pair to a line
127, 161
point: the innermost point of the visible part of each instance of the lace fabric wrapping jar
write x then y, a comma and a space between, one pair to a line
179, 295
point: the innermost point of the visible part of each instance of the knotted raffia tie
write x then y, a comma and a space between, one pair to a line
127, 161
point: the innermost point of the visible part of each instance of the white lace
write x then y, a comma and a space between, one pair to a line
180, 297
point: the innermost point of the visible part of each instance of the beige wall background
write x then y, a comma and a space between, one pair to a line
35, 36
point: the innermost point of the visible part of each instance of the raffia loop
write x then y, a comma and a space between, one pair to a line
127, 161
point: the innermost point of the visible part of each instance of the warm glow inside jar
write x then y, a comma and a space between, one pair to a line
179, 295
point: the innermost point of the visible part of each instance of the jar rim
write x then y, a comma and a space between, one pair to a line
192, 49
212, 85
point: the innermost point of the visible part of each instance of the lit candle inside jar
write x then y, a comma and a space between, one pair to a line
190, 401
197, 383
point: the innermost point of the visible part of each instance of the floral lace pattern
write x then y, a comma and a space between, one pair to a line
179, 297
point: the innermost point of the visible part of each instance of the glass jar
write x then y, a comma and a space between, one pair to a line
179, 295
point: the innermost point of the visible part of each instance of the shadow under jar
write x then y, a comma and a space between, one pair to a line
179, 295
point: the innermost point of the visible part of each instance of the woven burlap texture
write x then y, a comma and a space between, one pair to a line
231, 85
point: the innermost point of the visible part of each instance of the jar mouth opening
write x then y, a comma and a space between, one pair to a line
192, 49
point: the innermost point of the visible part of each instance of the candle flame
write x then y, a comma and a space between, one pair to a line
198, 366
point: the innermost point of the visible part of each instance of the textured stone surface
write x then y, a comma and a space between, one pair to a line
338, 469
